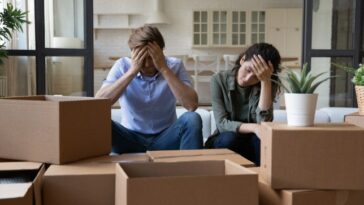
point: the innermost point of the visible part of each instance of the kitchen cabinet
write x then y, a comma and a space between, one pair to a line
119, 21
284, 31
222, 28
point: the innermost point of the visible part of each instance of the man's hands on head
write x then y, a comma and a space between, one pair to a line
156, 53
138, 56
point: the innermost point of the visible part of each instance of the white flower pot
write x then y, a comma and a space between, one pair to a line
300, 109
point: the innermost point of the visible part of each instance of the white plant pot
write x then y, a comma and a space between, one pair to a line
300, 109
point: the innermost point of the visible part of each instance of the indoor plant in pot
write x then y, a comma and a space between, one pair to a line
299, 95
11, 19
358, 80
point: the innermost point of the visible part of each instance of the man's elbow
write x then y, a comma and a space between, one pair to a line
192, 107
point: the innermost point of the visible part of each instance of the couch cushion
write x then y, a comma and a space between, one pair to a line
320, 116
337, 114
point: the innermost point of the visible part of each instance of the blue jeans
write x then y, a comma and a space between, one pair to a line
185, 133
247, 145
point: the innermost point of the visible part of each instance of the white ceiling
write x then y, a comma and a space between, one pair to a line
282, 3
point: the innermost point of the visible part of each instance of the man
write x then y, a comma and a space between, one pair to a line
147, 86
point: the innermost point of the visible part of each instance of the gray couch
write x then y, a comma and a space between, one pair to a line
323, 115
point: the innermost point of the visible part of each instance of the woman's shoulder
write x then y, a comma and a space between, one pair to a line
222, 76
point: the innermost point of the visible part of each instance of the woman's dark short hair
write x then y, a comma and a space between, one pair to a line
145, 34
266, 50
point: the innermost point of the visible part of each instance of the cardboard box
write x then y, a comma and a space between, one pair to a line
90, 182
198, 155
181, 183
355, 119
314, 157
20, 183
53, 129
269, 196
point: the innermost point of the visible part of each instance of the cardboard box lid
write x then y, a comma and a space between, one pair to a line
130, 157
80, 169
178, 153
28, 187
355, 119
198, 155
104, 165
16, 166
182, 169
317, 127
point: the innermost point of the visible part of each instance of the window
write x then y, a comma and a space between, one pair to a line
55, 38
332, 36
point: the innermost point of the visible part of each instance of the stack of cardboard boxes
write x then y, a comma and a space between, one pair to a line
70, 139
319, 165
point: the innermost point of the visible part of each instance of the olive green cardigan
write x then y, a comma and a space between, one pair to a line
223, 92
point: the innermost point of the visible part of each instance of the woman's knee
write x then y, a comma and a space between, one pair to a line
226, 140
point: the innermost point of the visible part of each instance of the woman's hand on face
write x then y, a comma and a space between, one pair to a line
261, 68
138, 56
157, 55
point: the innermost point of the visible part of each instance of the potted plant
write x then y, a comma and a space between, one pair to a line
358, 80
11, 19
299, 95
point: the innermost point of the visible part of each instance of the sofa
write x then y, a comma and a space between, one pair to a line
323, 115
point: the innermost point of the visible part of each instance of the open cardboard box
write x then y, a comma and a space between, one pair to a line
181, 183
20, 183
54, 129
316, 157
198, 155
269, 196
355, 119
91, 181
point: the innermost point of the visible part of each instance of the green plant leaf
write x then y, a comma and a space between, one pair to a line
313, 87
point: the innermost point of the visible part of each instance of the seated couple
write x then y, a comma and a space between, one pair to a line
148, 84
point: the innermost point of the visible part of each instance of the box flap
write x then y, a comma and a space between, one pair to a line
14, 166
10, 191
37, 186
190, 153
80, 169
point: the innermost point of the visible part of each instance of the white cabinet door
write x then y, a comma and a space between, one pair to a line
284, 31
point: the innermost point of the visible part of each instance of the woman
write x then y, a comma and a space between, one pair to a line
242, 98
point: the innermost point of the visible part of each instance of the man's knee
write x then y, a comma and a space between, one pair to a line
191, 118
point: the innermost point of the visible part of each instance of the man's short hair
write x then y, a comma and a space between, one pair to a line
145, 34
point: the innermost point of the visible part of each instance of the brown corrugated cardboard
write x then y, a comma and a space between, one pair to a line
90, 181
198, 155
355, 119
269, 196
181, 183
314, 157
19, 183
54, 129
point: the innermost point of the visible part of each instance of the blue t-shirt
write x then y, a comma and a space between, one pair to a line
147, 105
